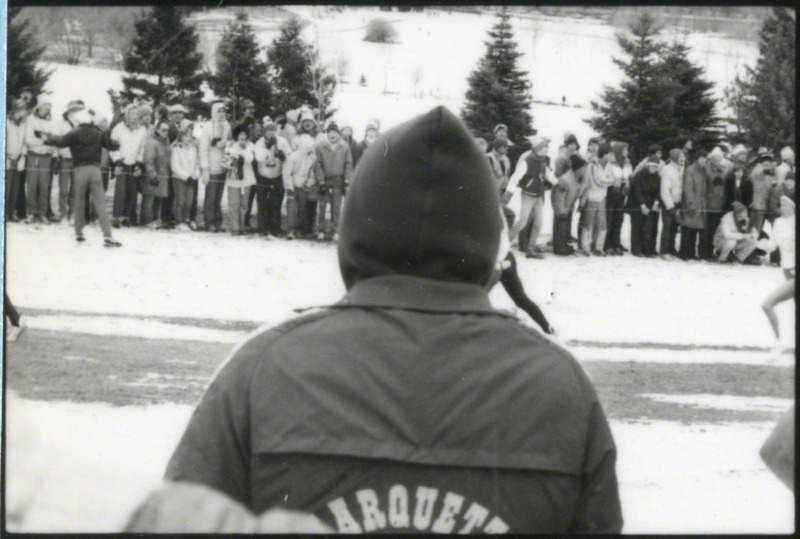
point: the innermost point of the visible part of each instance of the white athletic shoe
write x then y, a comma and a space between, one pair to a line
13, 333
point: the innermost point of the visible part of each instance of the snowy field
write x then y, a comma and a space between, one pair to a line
689, 410
121, 342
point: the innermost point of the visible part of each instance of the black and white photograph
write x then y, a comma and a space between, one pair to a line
413, 268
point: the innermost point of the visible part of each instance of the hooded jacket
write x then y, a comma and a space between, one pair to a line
395, 408
218, 130
131, 140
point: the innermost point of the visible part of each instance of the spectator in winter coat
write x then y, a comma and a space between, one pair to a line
65, 176
784, 188
531, 174
693, 207
715, 201
185, 169
597, 180
271, 152
591, 151
738, 188
338, 394
287, 125
619, 168
308, 127
145, 118
762, 177
128, 165
15, 158
501, 166
86, 143
671, 193
740, 155
334, 170
213, 140
642, 205
563, 198
370, 136
735, 236
786, 166
156, 175
347, 137
39, 159
298, 181
569, 148
238, 159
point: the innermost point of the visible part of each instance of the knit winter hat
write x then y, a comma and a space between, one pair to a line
739, 149
499, 143
675, 154
498, 127
739, 209
537, 141
570, 138
716, 154
372, 124
293, 116
593, 140
177, 108
307, 115
424, 203
653, 160
332, 127
787, 153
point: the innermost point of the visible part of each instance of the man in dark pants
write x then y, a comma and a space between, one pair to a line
642, 204
270, 155
393, 409
671, 190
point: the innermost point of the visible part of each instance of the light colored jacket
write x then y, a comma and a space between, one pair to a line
597, 181
131, 143
32, 142
264, 155
60, 128
15, 138
234, 151
671, 185
217, 127
184, 161
298, 172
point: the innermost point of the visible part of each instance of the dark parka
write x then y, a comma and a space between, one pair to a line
412, 391
715, 187
645, 189
693, 207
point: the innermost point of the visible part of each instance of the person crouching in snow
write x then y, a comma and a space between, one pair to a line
185, 168
735, 237
86, 143
156, 166
238, 159
334, 170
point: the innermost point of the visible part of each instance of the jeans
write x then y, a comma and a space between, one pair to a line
296, 205
126, 192
38, 176
707, 240
212, 206
643, 233
615, 215
560, 234
669, 231
689, 237
66, 189
237, 206
250, 199
332, 198
167, 215
532, 208
184, 194
269, 193
593, 234
151, 206
13, 180
87, 177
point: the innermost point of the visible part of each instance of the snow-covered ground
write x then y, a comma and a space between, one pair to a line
94, 463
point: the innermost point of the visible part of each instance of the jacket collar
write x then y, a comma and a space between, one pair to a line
418, 294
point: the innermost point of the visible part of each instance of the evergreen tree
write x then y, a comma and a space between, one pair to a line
23, 54
641, 111
694, 105
297, 74
763, 101
241, 70
498, 91
164, 63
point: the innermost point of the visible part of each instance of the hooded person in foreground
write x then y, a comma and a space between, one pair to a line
412, 404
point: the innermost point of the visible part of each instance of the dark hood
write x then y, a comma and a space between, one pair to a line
423, 202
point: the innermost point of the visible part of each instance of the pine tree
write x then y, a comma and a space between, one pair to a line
164, 63
641, 111
297, 74
694, 106
763, 101
498, 91
241, 70
23, 54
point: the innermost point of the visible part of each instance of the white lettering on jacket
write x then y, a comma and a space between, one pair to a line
399, 511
